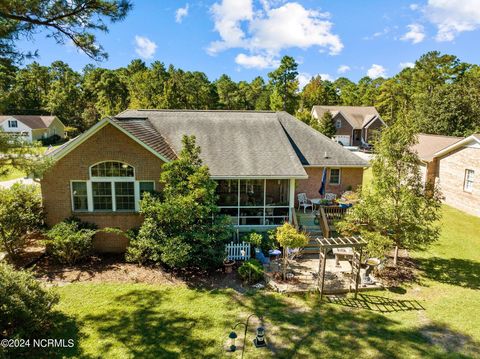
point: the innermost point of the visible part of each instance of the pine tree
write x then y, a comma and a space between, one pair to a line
395, 210
325, 125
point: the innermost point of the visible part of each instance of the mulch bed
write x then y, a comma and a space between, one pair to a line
406, 271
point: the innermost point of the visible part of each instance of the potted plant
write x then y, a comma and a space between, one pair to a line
228, 263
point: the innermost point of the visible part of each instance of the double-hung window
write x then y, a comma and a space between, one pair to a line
468, 181
12, 123
335, 176
111, 187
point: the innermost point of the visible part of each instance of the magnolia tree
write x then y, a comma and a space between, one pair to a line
289, 237
396, 210
182, 226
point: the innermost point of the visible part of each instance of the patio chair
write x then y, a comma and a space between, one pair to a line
304, 202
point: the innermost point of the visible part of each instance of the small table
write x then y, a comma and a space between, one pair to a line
316, 202
275, 253
342, 253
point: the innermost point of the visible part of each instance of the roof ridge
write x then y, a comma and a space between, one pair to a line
192, 110
432, 134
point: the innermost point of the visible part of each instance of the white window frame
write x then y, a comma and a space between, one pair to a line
11, 123
264, 206
339, 177
468, 181
111, 180
338, 123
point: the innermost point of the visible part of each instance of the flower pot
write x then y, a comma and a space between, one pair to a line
228, 265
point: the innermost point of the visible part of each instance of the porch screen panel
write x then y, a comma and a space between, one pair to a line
227, 191
252, 193
276, 192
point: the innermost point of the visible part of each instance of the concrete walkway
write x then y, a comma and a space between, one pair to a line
10, 183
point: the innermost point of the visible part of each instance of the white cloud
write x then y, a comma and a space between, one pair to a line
343, 68
414, 7
416, 34
181, 13
256, 61
453, 17
144, 47
271, 28
304, 78
376, 71
404, 65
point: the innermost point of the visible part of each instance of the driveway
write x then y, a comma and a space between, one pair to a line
8, 184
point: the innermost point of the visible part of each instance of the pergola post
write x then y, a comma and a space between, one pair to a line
321, 271
357, 277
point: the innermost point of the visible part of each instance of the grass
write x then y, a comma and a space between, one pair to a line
13, 174
153, 321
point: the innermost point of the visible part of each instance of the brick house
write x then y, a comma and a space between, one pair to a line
261, 161
354, 124
454, 164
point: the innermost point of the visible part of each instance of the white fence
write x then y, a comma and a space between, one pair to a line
238, 251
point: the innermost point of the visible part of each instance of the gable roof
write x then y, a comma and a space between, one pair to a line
234, 143
357, 116
32, 121
428, 145
472, 139
314, 148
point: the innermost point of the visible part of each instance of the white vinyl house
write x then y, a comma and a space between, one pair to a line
32, 127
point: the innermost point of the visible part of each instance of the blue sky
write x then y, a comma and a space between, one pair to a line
246, 38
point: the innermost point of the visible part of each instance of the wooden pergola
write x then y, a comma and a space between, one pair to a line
325, 244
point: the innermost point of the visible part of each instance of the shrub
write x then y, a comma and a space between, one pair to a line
263, 241
52, 140
182, 226
25, 307
289, 237
20, 214
70, 240
251, 271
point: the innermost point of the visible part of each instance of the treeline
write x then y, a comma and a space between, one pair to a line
440, 93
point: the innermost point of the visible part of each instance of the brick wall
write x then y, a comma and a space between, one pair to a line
370, 133
108, 144
451, 173
350, 177
346, 128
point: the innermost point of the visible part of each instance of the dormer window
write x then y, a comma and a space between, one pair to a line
338, 123
13, 123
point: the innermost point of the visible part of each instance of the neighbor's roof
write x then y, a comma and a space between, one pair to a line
357, 116
429, 145
314, 148
32, 121
470, 141
236, 143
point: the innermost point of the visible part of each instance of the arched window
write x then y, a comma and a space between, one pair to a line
112, 187
112, 169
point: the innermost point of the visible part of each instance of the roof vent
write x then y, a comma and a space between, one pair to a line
325, 155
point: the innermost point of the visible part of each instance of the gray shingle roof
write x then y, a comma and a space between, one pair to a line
357, 116
32, 121
233, 143
315, 149
145, 132
428, 145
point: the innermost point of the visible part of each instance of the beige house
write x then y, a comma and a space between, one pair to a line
261, 161
32, 127
356, 125
454, 164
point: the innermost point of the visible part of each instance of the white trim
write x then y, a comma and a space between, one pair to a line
336, 166
94, 129
257, 177
71, 196
373, 120
106, 178
456, 145
330, 176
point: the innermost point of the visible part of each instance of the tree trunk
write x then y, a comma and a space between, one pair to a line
284, 267
395, 256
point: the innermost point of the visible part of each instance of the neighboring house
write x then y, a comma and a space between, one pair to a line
261, 161
353, 123
454, 164
32, 127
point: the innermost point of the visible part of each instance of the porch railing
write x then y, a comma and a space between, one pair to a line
327, 217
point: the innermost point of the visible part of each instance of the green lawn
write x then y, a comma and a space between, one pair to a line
13, 174
148, 321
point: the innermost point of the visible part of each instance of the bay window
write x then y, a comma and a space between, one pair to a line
112, 187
